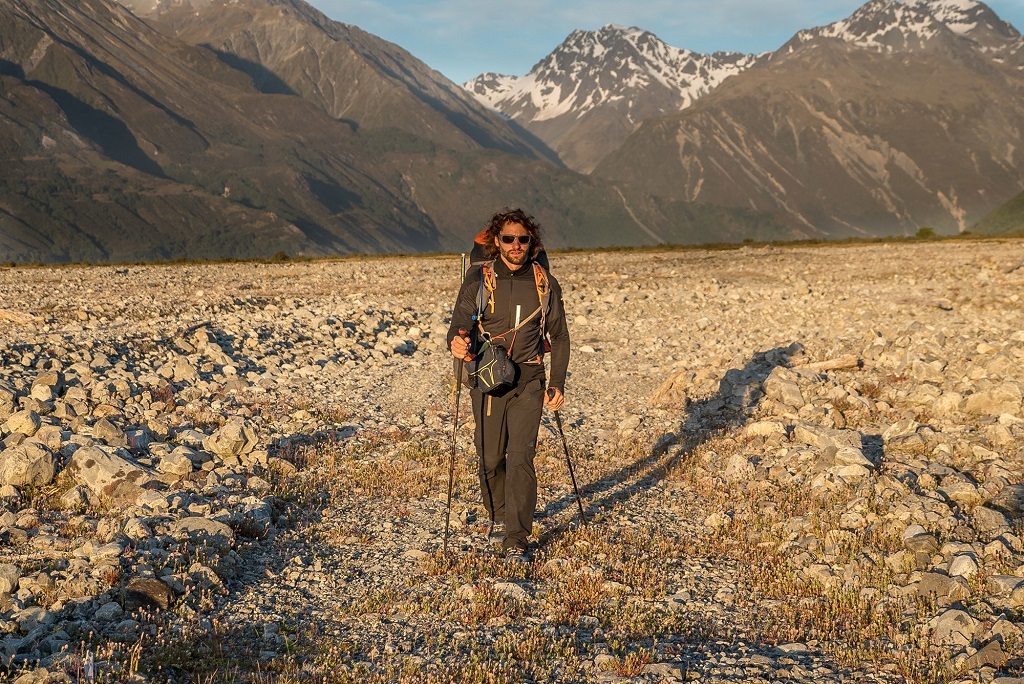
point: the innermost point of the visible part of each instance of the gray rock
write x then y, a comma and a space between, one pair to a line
1002, 585
963, 565
104, 554
853, 455
1005, 398
823, 437
942, 588
8, 403
738, 468
988, 521
9, 576
110, 434
990, 655
961, 491
953, 628
664, 671
204, 531
30, 463
1009, 500
138, 439
76, 497
781, 386
24, 422
108, 475
235, 438
175, 463
109, 612
147, 592
921, 547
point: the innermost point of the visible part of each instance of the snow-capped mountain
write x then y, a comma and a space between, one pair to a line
905, 114
890, 26
597, 86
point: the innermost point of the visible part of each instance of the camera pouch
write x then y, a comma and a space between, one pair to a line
491, 368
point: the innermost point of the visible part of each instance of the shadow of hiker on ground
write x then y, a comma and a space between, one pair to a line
739, 393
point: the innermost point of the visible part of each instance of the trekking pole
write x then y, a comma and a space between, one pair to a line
568, 462
455, 432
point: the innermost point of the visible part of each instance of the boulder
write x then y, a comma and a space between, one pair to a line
8, 402
110, 434
990, 655
24, 422
203, 531
823, 437
9, 576
989, 521
942, 588
922, 547
953, 628
108, 474
738, 468
1005, 398
781, 386
235, 438
854, 456
146, 592
30, 463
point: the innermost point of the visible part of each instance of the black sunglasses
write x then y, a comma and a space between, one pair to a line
522, 239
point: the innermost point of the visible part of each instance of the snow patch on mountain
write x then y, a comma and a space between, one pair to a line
613, 65
888, 25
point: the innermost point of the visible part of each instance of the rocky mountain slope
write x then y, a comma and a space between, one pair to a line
884, 122
595, 88
903, 115
292, 48
811, 472
127, 144
276, 130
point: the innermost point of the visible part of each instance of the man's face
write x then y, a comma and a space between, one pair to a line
517, 252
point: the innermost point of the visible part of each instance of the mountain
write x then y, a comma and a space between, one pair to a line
903, 115
595, 88
289, 47
131, 145
1008, 218
121, 141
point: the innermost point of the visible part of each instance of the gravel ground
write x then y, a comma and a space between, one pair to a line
798, 464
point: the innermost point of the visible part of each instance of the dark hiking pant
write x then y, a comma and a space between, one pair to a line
506, 443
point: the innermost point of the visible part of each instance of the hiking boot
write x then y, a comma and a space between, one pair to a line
517, 554
496, 532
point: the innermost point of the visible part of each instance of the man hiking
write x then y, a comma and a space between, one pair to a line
513, 303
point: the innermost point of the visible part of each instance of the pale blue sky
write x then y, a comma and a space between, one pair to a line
463, 38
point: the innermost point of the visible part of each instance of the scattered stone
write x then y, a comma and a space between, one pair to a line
146, 592
209, 409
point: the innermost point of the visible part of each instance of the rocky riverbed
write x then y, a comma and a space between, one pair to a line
797, 464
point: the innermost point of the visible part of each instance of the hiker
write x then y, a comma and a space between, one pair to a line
515, 304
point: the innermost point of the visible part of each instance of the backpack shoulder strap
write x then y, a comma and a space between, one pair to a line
540, 277
488, 282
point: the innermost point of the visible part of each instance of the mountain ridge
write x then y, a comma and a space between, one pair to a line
126, 143
588, 89
845, 137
